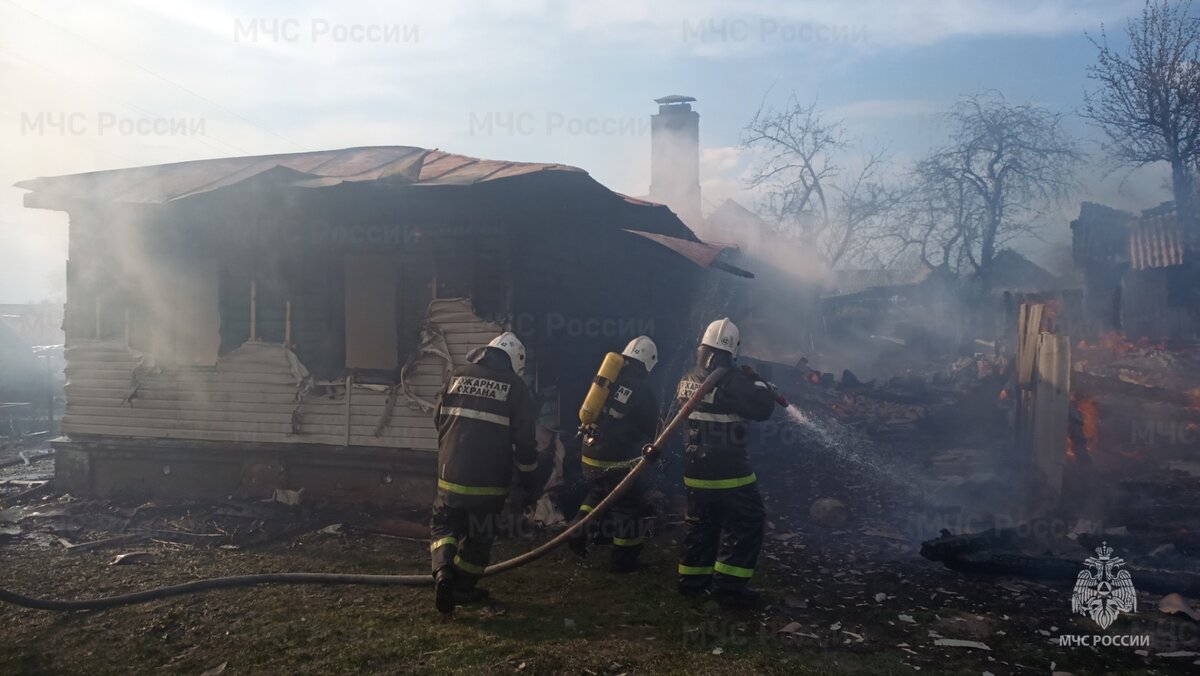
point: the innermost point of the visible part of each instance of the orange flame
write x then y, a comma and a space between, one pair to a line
1091, 421
1090, 413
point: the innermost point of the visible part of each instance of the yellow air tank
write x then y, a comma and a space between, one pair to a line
593, 403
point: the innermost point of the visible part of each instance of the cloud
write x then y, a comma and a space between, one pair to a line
720, 29
879, 109
186, 60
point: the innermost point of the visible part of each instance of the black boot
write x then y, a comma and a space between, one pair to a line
443, 590
737, 598
626, 560
465, 597
579, 544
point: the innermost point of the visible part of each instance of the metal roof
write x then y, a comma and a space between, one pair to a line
404, 164
166, 182
1157, 241
703, 254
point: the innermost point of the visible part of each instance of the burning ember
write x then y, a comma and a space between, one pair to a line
1088, 426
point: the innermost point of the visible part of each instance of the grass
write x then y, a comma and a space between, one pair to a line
559, 615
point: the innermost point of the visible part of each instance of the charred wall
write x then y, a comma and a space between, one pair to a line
224, 318
583, 287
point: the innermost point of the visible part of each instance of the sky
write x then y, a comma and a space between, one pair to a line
100, 85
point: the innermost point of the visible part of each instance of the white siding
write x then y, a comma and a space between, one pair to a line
252, 393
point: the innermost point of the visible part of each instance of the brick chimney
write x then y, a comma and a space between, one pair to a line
675, 156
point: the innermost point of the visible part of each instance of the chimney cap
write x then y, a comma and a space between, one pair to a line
675, 98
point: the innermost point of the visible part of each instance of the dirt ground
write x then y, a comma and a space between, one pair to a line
853, 598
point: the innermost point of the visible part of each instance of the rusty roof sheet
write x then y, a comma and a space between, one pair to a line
409, 165
700, 253
167, 182
1157, 241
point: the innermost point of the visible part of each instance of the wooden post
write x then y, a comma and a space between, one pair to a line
1043, 405
1052, 409
349, 396
287, 325
253, 309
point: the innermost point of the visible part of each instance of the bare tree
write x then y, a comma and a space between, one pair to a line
940, 213
799, 175
1002, 164
1148, 100
866, 211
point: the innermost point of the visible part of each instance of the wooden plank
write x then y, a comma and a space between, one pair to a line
415, 444
1052, 408
339, 432
178, 425
364, 420
98, 371
215, 406
239, 436
102, 383
215, 418
215, 379
1031, 322
96, 396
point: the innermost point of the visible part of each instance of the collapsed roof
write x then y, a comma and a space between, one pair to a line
397, 165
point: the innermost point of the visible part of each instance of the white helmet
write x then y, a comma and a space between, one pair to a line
723, 335
644, 350
513, 347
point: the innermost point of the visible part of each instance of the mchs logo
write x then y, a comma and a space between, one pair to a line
1102, 590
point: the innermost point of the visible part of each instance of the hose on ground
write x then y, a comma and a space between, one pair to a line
106, 602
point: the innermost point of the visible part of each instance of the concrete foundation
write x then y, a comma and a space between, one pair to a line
148, 468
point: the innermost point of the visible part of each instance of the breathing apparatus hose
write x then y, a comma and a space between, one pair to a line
106, 602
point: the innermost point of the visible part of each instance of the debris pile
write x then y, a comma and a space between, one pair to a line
901, 408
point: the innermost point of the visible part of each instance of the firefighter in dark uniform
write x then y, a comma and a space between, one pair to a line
485, 421
613, 445
724, 509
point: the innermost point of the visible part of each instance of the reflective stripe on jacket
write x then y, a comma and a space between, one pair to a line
629, 420
485, 422
719, 427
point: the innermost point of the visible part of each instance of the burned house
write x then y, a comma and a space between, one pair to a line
1141, 276
236, 326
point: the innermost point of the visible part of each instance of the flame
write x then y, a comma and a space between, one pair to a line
1003, 395
1091, 421
1090, 414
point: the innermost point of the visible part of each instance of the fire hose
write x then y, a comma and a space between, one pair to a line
106, 602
